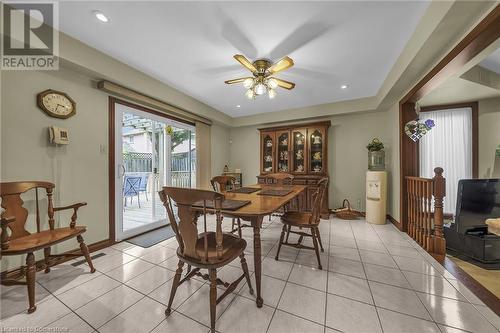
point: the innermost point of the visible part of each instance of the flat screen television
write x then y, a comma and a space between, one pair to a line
477, 200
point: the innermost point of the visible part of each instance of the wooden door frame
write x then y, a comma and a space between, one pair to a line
483, 35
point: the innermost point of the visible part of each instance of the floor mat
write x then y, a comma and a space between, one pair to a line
153, 237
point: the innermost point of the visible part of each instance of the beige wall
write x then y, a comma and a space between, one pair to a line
220, 148
489, 135
347, 155
79, 170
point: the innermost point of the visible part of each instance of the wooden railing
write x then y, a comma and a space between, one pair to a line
425, 211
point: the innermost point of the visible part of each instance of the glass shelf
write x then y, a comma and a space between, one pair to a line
283, 153
267, 163
316, 151
299, 151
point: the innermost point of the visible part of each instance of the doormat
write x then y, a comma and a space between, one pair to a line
151, 238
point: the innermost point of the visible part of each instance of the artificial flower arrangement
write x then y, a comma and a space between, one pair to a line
416, 129
375, 145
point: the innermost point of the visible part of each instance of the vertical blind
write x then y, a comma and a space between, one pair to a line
448, 145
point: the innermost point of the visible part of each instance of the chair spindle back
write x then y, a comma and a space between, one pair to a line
222, 183
186, 230
279, 178
10, 193
317, 199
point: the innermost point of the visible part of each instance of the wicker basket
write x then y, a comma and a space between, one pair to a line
345, 212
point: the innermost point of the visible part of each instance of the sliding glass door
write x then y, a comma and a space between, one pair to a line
183, 157
151, 151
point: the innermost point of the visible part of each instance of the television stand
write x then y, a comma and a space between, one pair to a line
477, 243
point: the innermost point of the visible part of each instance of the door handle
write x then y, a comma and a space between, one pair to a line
120, 166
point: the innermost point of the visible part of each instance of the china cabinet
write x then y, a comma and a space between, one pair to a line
301, 150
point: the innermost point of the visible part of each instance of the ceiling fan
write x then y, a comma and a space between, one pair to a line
262, 80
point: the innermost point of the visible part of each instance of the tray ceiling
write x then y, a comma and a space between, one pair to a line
190, 45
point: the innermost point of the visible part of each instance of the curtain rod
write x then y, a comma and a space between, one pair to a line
135, 96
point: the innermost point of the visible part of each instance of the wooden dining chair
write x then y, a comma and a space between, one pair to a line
305, 220
222, 184
17, 240
279, 179
202, 250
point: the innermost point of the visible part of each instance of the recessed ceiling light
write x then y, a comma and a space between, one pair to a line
100, 16
344, 86
238, 106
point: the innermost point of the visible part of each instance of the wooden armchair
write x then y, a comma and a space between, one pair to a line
305, 220
206, 250
222, 184
21, 241
279, 179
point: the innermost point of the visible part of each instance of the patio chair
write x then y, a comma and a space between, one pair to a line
144, 184
144, 181
131, 188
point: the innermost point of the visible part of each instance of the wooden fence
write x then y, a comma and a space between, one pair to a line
142, 162
137, 162
425, 211
182, 174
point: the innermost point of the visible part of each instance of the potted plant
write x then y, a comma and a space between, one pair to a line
376, 155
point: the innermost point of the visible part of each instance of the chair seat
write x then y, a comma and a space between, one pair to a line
37, 241
299, 219
232, 248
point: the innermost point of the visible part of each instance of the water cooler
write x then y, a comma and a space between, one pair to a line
376, 197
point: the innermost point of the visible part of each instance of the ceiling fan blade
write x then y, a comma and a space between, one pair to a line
245, 62
281, 65
241, 79
285, 84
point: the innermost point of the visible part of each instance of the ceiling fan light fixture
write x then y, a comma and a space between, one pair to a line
248, 83
271, 93
262, 82
272, 83
260, 89
250, 94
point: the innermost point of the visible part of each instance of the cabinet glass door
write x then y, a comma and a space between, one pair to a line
316, 150
283, 152
267, 142
299, 151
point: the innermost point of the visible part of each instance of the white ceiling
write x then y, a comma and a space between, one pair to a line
190, 45
492, 62
458, 90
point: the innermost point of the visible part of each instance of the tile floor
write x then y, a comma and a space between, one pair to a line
375, 279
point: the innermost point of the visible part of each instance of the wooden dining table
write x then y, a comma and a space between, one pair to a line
254, 212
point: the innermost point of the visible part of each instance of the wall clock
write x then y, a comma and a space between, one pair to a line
56, 104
